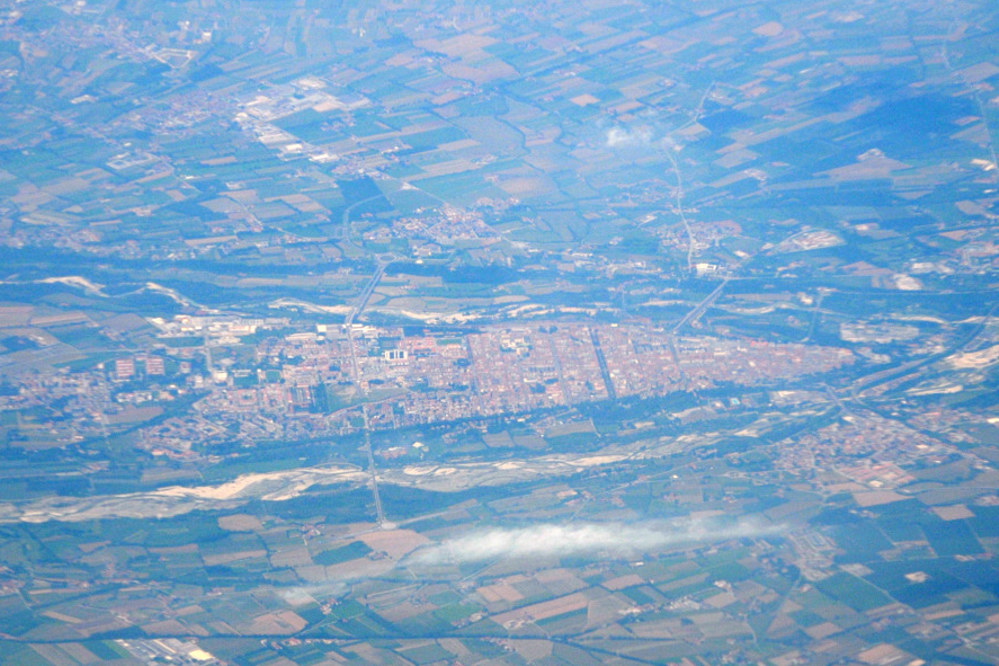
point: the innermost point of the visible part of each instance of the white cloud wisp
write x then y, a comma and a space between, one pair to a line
591, 539
618, 137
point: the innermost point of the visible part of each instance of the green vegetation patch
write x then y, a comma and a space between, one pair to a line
107, 650
431, 138
426, 654
854, 592
455, 612
952, 538
986, 521
861, 545
351, 551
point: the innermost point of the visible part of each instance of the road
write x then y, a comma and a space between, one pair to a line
604, 371
362, 302
703, 305
373, 471
365, 295
345, 218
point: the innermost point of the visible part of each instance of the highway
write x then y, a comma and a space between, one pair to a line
365, 295
702, 306
345, 218
362, 301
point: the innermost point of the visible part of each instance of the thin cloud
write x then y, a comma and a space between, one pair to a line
300, 595
619, 137
592, 539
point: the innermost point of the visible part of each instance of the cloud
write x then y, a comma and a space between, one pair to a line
618, 137
300, 595
590, 539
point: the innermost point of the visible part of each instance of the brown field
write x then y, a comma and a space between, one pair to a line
283, 622
499, 592
877, 497
226, 558
956, 512
240, 522
394, 542
545, 609
622, 582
